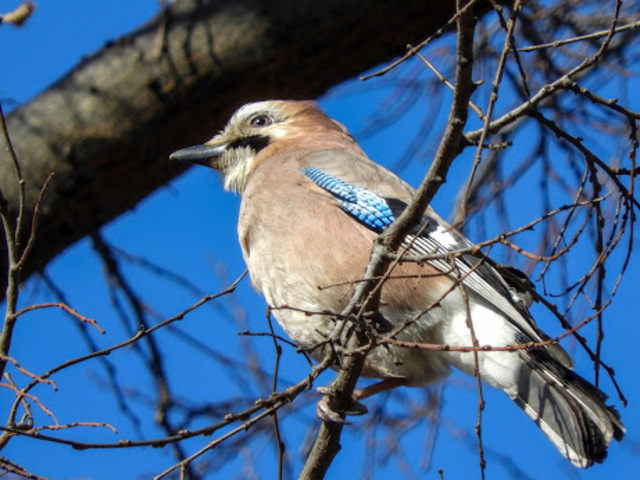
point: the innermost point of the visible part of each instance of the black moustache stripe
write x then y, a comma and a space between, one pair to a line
254, 142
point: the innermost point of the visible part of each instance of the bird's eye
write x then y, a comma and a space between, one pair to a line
261, 121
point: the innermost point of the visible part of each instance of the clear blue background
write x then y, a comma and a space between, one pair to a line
189, 227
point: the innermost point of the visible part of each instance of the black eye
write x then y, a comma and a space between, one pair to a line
261, 121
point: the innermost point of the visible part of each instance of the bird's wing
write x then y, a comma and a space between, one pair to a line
359, 171
433, 237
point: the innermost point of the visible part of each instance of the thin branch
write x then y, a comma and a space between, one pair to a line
34, 223
416, 49
62, 306
15, 469
492, 102
264, 405
26, 372
581, 38
141, 333
476, 367
274, 388
547, 91
446, 82
328, 440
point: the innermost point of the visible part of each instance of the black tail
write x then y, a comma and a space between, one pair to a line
568, 409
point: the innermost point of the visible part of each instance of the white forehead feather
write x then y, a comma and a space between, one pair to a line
250, 109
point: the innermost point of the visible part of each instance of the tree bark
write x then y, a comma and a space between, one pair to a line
107, 128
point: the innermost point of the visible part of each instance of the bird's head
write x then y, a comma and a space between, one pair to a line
256, 131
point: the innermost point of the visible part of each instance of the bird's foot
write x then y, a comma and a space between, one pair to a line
328, 412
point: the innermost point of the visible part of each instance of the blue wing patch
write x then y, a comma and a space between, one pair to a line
431, 237
368, 208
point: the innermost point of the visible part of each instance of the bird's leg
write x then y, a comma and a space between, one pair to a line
326, 411
382, 386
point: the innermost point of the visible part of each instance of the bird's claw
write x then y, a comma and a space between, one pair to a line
326, 411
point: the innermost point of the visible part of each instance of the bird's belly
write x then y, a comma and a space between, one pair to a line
306, 305
308, 272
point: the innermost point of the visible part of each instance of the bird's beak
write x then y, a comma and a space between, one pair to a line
200, 154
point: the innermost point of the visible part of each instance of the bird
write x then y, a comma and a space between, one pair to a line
313, 203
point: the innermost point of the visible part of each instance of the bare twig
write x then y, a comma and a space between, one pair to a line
582, 38
64, 307
327, 441
446, 82
492, 102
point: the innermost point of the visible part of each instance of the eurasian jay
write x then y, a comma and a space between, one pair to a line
312, 205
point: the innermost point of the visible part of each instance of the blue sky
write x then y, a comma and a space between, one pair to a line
189, 227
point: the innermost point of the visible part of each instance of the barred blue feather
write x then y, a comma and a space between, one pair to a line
365, 206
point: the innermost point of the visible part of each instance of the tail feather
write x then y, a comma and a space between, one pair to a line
567, 408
